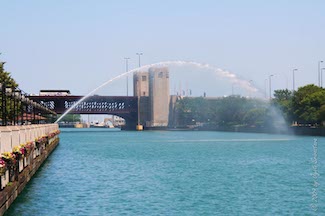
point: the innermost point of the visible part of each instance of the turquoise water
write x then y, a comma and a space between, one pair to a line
107, 172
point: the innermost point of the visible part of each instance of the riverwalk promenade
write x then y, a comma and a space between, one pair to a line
23, 150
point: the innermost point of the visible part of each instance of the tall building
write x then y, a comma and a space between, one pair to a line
153, 88
159, 96
141, 83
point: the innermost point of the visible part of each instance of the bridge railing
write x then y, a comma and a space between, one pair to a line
18, 109
92, 105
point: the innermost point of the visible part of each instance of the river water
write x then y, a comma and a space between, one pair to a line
110, 172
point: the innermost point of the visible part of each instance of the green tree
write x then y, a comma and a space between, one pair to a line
192, 110
306, 104
255, 117
283, 101
8, 82
71, 118
322, 113
282, 95
224, 111
5, 77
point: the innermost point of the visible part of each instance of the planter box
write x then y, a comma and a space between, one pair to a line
21, 164
4, 180
25, 162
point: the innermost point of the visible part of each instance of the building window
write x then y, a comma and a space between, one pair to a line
144, 78
160, 75
144, 93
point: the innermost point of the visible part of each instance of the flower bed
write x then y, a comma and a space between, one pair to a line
19, 151
8, 160
29, 147
10, 163
3, 167
53, 134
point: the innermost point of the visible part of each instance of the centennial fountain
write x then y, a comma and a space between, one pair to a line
233, 78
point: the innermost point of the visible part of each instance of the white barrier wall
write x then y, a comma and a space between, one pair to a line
14, 136
33, 133
11, 136
5, 141
22, 135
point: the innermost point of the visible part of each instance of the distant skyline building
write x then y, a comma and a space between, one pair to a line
54, 92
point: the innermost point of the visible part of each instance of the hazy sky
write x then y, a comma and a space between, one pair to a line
77, 45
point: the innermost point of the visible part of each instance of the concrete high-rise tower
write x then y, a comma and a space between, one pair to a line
141, 84
153, 89
159, 96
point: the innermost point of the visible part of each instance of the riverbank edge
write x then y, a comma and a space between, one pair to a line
11, 192
300, 131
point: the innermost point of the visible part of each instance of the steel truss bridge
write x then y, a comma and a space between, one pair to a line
123, 106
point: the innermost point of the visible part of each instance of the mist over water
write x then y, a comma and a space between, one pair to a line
278, 122
231, 77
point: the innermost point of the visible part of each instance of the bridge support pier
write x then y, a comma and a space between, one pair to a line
139, 127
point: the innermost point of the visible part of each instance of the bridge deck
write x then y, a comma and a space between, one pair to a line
93, 105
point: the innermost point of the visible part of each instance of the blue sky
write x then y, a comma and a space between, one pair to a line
77, 45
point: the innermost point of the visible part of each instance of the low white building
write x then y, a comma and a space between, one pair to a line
54, 92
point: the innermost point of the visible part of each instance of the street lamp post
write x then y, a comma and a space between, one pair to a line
322, 76
7, 99
265, 87
293, 80
139, 54
319, 73
127, 77
138, 102
23, 100
139, 127
270, 85
3, 104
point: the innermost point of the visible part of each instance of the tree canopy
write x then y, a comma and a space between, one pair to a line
6, 78
224, 111
306, 105
71, 118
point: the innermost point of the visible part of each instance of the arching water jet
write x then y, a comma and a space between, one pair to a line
233, 78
